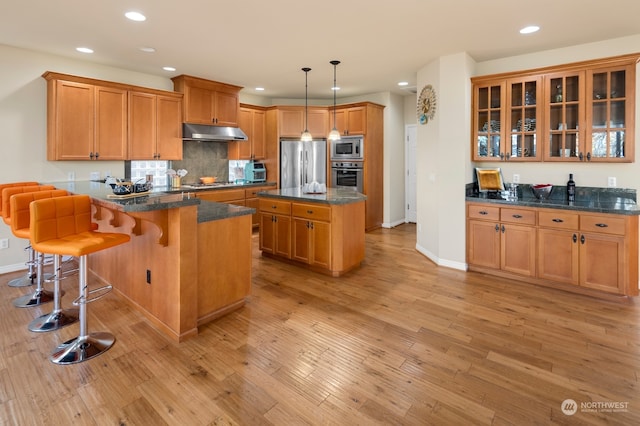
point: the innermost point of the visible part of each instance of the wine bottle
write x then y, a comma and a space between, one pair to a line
571, 189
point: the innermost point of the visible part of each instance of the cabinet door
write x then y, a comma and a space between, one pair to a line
558, 252
142, 126
523, 118
564, 117
483, 243
356, 120
253, 204
320, 244
301, 234
74, 120
283, 236
259, 134
291, 123
518, 249
488, 142
241, 150
169, 128
318, 123
198, 105
267, 233
602, 262
111, 124
226, 109
610, 114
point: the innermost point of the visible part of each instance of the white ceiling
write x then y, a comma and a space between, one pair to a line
265, 43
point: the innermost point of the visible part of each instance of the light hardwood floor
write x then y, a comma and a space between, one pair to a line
398, 341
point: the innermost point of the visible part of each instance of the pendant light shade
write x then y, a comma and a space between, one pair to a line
306, 135
334, 135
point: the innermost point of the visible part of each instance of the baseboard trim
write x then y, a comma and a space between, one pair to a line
441, 262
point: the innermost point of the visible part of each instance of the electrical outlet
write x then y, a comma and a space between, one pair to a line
71, 176
516, 178
4, 243
611, 182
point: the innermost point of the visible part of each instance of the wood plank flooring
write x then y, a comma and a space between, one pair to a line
397, 342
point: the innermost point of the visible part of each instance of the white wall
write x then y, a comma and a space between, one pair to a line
444, 164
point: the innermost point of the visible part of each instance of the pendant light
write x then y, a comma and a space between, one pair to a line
334, 135
306, 136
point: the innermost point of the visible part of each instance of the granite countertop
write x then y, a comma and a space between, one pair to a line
332, 196
588, 199
159, 198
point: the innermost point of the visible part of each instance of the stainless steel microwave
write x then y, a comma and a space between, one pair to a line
348, 148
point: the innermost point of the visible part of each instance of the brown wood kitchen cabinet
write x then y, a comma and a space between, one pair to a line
208, 102
291, 121
311, 234
85, 120
575, 251
275, 227
252, 120
155, 126
581, 112
350, 120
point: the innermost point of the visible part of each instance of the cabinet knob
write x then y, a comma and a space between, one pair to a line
557, 220
483, 212
580, 156
97, 154
517, 216
503, 229
497, 227
310, 211
582, 239
575, 238
273, 207
91, 155
588, 156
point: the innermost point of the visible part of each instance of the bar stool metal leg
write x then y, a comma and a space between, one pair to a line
85, 346
40, 295
58, 317
30, 277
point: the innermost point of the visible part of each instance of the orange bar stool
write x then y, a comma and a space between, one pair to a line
20, 221
29, 279
40, 295
62, 226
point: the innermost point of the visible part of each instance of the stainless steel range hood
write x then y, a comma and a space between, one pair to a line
204, 133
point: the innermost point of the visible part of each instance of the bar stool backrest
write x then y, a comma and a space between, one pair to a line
19, 206
8, 192
13, 184
59, 217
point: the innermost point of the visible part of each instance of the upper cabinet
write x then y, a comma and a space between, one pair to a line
208, 102
291, 121
155, 126
350, 120
576, 112
252, 121
90, 119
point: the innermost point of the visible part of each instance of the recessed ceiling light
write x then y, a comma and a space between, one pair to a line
168, 68
260, 89
136, 16
530, 29
403, 83
84, 49
148, 49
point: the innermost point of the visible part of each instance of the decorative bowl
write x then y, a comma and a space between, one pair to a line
208, 179
542, 191
122, 188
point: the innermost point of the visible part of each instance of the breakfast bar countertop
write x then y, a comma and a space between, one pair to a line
332, 196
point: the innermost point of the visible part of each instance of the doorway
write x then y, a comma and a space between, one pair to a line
410, 185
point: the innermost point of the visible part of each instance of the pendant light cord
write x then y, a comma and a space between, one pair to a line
306, 105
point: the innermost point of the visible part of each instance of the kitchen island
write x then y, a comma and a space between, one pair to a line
188, 261
323, 232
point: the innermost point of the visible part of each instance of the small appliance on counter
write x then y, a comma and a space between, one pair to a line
255, 172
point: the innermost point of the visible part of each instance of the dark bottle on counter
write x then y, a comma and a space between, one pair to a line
571, 189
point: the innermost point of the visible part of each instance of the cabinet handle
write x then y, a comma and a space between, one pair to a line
575, 238
97, 155
517, 216
502, 156
588, 156
503, 229
582, 239
557, 220
273, 207
91, 155
497, 227
483, 212
310, 211
580, 156
602, 225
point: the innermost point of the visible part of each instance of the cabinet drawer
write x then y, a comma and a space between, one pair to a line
558, 219
311, 211
603, 224
526, 217
478, 211
228, 195
275, 206
253, 192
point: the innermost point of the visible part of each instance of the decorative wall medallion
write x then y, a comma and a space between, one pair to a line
426, 104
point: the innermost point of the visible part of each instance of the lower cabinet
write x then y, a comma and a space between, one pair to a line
585, 250
326, 238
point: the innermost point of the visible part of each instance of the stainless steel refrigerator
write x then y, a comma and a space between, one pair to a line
302, 162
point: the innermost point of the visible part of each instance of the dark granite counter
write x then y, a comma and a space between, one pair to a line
332, 196
159, 198
588, 199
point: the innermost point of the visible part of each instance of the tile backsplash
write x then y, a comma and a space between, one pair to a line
203, 159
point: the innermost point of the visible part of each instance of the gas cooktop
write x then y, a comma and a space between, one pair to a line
206, 185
